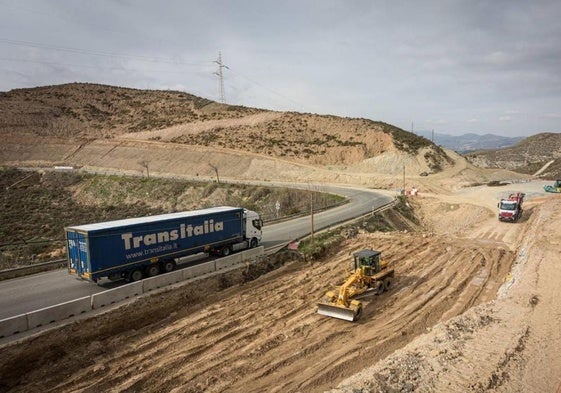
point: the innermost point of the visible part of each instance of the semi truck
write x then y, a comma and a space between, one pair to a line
510, 209
135, 248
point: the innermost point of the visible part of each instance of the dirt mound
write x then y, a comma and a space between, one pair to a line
264, 335
509, 344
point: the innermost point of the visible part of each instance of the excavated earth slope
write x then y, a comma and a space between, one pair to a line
511, 344
264, 335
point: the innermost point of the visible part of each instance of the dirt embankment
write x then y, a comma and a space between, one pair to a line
264, 335
510, 344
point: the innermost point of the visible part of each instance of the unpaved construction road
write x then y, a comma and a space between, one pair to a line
264, 335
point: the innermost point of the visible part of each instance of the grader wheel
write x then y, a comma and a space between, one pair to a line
387, 283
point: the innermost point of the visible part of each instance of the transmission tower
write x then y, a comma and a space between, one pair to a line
220, 77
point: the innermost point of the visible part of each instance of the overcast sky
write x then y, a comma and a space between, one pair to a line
452, 66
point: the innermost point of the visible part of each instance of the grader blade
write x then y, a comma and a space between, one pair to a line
340, 312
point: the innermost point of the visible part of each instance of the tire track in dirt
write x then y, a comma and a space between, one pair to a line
508, 344
265, 335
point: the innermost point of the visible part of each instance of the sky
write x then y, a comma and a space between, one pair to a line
451, 66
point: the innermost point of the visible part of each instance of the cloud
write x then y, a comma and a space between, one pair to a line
397, 62
437, 121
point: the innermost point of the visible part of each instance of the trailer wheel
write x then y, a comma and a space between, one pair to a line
114, 277
253, 243
152, 270
379, 288
168, 266
225, 251
135, 275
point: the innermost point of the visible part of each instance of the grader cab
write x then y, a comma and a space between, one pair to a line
370, 273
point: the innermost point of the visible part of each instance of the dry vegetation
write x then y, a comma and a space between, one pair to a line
528, 156
91, 111
99, 111
36, 206
474, 306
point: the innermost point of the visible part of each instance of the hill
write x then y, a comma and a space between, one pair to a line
463, 280
529, 156
67, 118
470, 142
100, 111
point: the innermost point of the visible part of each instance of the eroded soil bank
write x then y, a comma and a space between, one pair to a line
228, 334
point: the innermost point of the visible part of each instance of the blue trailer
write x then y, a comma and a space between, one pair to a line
138, 247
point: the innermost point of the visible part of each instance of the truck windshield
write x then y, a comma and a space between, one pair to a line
508, 206
257, 223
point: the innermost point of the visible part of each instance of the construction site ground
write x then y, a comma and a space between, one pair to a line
474, 307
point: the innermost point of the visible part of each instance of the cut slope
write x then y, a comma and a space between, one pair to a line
510, 344
265, 335
90, 112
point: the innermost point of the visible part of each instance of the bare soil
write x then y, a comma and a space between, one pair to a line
474, 308
37, 205
510, 344
441, 322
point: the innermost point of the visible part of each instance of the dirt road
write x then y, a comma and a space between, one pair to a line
264, 335
511, 344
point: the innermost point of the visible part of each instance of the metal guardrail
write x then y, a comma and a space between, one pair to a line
59, 312
62, 263
32, 269
63, 311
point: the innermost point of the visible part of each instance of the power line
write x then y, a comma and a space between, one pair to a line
98, 53
267, 88
81, 51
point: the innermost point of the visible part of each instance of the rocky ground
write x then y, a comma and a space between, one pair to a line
473, 308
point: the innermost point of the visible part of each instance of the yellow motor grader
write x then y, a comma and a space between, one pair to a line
370, 274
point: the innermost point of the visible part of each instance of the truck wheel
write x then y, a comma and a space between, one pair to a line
153, 270
226, 251
253, 243
135, 275
379, 288
114, 277
168, 266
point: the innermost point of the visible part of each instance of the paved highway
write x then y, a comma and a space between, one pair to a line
25, 294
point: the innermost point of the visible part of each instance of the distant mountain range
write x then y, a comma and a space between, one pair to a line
470, 142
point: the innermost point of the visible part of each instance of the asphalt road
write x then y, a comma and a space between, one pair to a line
25, 294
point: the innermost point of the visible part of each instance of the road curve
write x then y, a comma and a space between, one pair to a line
25, 294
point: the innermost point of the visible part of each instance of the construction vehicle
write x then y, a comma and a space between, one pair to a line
510, 209
370, 274
556, 187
